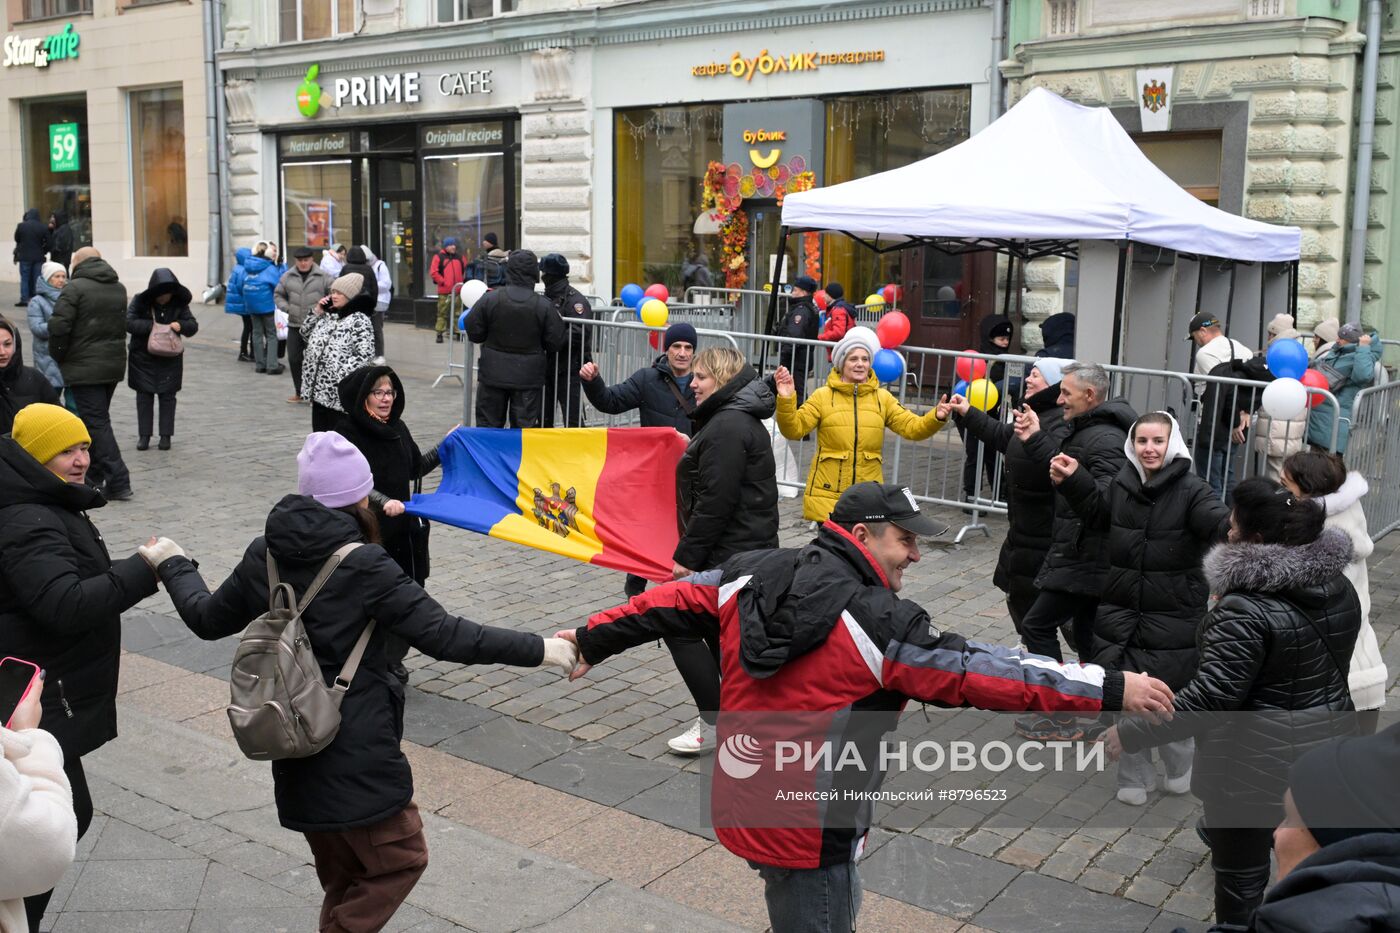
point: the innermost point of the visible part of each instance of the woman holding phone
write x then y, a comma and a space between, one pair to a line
61, 595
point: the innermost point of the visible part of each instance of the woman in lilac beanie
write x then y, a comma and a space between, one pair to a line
353, 800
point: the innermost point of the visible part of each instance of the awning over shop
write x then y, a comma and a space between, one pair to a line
1046, 175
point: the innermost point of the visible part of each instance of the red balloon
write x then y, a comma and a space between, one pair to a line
893, 329
658, 291
892, 294
970, 368
654, 338
1314, 380
821, 298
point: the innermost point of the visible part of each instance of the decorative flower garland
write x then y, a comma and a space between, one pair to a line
722, 195
734, 236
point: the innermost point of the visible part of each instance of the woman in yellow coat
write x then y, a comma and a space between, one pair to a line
850, 414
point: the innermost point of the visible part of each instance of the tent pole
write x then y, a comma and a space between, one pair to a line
1230, 298
773, 295
1118, 300
1293, 289
1263, 275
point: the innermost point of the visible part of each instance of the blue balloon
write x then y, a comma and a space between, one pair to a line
888, 366
961, 387
1287, 359
632, 295
462, 321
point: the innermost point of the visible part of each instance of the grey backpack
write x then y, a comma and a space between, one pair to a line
279, 704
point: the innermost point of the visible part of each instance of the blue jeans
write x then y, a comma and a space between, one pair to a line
28, 277
811, 900
1219, 469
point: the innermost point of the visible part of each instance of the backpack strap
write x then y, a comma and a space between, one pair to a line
276, 587
352, 663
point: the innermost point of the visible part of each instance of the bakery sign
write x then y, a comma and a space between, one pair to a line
39, 52
766, 63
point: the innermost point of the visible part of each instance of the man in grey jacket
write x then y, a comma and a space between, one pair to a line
300, 288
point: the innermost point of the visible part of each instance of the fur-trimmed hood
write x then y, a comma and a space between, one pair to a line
1346, 495
1277, 568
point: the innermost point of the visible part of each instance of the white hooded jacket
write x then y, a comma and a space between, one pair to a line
38, 831
1368, 674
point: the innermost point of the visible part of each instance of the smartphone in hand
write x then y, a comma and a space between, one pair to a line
17, 678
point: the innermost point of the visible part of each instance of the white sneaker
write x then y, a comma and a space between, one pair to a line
1133, 796
699, 739
1178, 785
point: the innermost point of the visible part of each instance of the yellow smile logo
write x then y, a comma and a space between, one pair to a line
763, 161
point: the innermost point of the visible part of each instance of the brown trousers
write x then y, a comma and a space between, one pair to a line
367, 872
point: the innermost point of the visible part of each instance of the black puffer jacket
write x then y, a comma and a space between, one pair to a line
20, 385
654, 390
362, 777
1058, 333
89, 326
1076, 562
157, 374
395, 462
31, 238
1155, 593
1278, 644
518, 328
726, 481
1030, 498
62, 597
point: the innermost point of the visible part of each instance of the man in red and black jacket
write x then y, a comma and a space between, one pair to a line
447, 270
813, 640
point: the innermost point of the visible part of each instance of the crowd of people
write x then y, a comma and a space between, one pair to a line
1182, 591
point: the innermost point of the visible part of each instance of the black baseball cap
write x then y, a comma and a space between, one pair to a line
303, 252
878, 502
1202, 319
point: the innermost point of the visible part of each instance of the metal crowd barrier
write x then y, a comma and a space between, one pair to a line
453, 313
1374, 451
718, 317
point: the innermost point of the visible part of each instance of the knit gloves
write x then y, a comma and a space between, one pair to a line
158, 553
560, 653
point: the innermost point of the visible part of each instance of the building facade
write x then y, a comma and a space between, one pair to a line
104, 101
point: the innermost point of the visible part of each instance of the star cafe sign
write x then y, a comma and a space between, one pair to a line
373, 90
39, 52
766, 64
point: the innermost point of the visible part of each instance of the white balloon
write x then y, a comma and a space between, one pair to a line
1285, 399
472, 292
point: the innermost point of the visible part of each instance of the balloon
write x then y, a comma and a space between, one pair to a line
462, 321
982, 394
822, 299
658, 291
472, 291
1287, 359
1285, 399
1314, 380
654, 312
888, 366
632, 295
893, 329
969, 368
874, 302
654, 338
892, 294
961, 388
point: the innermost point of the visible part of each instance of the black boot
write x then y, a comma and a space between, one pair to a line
164, 442
143, 442
1238, 891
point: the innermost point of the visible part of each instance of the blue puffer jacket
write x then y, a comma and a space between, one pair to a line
1357, 365
233, 292
263, 276
40, 311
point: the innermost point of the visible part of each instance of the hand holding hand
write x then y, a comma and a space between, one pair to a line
393, 508
1062, 466
29, 711
783, 381
561, 653
581, 667
157, 551
1143, 693
588, 372
959, 404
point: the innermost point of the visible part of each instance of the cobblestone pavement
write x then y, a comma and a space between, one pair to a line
600, 743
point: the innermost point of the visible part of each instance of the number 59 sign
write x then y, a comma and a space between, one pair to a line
63, 147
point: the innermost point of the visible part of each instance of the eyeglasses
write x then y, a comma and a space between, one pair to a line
384, 393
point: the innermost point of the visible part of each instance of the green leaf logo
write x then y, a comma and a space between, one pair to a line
309, 93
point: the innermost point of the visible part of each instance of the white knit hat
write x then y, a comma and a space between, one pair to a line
350, 284
47, 270
855, 337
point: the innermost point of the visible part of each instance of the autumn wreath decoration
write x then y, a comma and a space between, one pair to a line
723, 193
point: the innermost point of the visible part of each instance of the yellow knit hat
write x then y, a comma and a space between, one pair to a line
45, 431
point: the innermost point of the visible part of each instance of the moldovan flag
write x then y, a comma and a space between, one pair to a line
605, 496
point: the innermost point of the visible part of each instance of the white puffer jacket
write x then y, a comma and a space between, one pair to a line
1368, 674
38, 831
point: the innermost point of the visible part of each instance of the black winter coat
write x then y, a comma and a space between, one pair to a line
62, 597
726, 481
1155, 593
31, 238
89, 326
578, 345
20, 385
157, 374
1278, 644
1076, 562
1222, 405
803, 320
358, 263
1058, 333
1030, 497
395, 462
653, 390
362, 777
518, 328
61, 240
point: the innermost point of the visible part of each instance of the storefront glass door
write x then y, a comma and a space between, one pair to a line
397, 200
466, 199
316, 204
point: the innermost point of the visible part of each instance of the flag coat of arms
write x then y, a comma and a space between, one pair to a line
604, 496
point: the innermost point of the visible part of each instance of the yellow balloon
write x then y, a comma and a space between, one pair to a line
982, 395
876, 300
655, 312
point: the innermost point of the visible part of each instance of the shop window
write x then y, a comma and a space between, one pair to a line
464, 196
660, 155
875, 133
56, 163
1192, 160
302, 20
48, 9
452, 11
317, 200
158, 172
